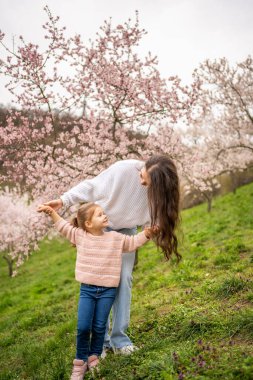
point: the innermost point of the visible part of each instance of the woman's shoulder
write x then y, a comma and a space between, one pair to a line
128, 163
118, 168
126, 167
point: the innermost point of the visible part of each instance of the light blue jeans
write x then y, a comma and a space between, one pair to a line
122, 303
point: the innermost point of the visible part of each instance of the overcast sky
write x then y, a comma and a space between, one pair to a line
182, 33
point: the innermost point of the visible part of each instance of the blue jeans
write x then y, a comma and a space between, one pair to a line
122, 303
95, 303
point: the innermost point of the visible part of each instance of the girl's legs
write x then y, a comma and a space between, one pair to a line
104, 300
86, 309
122, 303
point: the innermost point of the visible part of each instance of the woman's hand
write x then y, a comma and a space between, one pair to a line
56, 204
151, 232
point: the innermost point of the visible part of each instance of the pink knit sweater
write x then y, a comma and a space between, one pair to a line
99, 258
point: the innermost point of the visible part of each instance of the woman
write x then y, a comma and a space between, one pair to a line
132, 193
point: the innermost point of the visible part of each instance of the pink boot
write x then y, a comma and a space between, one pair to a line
93, 362
78, 370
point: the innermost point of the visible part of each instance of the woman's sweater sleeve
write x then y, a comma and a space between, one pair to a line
83, 192
67, 230
88, 190
131, 243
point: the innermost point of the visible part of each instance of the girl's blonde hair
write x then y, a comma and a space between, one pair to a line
84, 213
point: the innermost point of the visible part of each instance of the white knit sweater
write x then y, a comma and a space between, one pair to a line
118, 191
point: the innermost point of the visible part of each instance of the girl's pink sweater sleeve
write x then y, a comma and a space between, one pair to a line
131, 243
67, 230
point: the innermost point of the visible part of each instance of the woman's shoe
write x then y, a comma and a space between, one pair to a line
126, 350
79, 369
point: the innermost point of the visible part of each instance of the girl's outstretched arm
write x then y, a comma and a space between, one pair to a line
65, 228
131, 243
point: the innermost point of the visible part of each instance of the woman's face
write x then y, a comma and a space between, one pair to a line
145, 177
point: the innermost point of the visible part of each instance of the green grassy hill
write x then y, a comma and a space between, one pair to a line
191, 321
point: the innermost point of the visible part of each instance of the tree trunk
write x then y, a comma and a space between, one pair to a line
10, 264
209, 204
209, 198
233, 182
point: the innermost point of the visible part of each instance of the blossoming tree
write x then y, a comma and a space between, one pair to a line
20, 228
87, 105
225, 96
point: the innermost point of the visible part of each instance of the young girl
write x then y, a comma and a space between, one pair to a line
98, 267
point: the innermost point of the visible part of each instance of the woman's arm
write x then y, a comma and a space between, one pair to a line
89, 190
83, 192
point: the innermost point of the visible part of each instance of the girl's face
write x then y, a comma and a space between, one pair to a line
98, 221
144, 177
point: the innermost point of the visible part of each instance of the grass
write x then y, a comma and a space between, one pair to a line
191, 321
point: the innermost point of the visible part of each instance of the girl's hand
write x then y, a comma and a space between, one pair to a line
56, 204
150, 232
49, 211
46, 209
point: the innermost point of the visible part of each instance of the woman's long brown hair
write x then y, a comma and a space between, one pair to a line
163, 198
